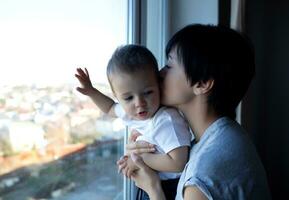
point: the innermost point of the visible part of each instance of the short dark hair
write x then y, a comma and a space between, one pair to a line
131, 58
218, 53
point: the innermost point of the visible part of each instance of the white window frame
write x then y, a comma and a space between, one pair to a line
133, 33
148, 25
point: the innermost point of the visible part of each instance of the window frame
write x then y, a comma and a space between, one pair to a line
148, 25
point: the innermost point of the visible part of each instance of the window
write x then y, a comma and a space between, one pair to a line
54, 142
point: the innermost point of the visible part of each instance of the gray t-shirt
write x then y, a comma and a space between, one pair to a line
224, 165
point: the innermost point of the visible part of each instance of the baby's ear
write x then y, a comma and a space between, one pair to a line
203, 87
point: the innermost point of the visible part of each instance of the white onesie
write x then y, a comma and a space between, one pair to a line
167, 129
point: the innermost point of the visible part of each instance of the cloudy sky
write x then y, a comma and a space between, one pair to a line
43, 41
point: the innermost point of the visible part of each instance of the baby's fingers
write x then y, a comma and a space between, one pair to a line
80, 78
81, 90
87, 74
81, 72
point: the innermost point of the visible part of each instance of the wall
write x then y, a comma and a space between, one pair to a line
184, 12
266, 107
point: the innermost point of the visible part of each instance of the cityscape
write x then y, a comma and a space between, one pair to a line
56, 144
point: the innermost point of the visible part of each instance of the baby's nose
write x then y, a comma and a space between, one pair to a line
140, 102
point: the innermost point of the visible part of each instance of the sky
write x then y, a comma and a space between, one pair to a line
44, 41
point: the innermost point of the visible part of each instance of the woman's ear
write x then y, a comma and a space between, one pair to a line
203, 87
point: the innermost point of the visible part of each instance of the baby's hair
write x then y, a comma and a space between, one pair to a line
131, 58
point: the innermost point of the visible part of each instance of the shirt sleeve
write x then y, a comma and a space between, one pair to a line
195, 182
171, 131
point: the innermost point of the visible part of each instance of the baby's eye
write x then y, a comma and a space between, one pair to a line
129, 98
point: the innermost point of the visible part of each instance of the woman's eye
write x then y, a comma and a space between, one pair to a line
148, 92
128, 98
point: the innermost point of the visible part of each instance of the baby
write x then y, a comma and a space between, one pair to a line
132, 72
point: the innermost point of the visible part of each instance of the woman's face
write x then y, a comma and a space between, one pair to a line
176, 89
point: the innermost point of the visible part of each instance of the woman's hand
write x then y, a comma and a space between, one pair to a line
86, 86
126, 166
147, 179
138, 147
133, 135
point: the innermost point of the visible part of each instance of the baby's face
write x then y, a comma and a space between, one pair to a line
138, 93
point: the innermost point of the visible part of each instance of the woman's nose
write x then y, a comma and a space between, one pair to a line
163, 72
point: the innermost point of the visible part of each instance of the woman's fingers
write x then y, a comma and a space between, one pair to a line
122, 163
138, 161
130, 172
145, 178
121, 167
125, 171
122, 160
134, 135
140, 147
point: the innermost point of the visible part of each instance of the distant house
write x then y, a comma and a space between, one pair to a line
25, 136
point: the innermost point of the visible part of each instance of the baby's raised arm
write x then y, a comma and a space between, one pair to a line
103, 102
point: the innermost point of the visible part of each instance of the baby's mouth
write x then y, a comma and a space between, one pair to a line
143, 113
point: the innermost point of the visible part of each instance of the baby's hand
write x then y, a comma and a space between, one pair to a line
86, 86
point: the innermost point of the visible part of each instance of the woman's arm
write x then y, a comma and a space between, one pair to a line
147, 179
192, 192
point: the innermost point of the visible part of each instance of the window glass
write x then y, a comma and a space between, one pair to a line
54, 142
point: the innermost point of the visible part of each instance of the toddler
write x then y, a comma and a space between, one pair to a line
132, 72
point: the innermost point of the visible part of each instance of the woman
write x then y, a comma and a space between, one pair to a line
208, 72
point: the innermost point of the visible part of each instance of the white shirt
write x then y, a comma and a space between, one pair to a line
167, 129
